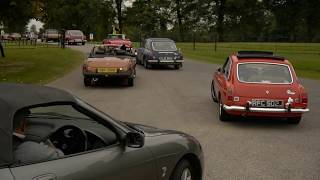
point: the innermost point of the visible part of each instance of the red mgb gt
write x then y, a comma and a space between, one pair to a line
256, 83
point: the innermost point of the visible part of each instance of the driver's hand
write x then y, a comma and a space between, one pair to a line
50, 144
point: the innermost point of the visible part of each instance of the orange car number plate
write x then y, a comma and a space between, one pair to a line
107, 70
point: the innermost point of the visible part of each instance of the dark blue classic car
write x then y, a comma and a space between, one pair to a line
161, 51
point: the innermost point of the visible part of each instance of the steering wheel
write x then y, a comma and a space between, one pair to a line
69, 139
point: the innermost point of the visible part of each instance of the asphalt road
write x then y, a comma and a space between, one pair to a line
180, 100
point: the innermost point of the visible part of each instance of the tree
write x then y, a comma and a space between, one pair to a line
15, 14
119, 13
94, 16
33, 28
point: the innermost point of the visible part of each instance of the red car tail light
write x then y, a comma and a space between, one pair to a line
86, 68
229, 94
304, 98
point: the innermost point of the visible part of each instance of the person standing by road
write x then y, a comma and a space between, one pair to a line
63, 38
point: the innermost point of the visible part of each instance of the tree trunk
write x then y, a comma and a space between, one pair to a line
1, 49
179, 16
221, 4
119, 14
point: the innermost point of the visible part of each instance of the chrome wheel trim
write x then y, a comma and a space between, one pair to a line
186, 174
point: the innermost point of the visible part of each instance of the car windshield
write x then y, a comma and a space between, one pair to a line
76, 33
116, 36
66, 112
264, 73
53, 31
164, 46
102, 52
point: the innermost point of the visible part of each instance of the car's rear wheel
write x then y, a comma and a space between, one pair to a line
213, 93
87, 81
294, 120
223, 115
183, 171
146, 64
137, 60
130, 82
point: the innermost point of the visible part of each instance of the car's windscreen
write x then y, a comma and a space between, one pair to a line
75, 33
115, 36
52, 31
264, 73
164, 46
66, 112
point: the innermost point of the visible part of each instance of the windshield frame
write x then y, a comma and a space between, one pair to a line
279, 64
152, 44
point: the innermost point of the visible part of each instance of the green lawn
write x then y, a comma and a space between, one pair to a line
37, 65
305, 57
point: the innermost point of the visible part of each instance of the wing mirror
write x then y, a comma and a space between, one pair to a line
134, 140
219, 69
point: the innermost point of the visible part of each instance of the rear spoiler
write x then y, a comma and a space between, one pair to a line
258, 54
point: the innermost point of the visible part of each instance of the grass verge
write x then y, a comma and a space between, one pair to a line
37, 65
305, 57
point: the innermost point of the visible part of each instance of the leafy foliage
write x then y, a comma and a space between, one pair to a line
181, 20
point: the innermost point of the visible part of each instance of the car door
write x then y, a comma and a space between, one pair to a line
221, 78
5, 174
113, 162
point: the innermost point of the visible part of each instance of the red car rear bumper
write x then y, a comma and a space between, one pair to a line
271, 112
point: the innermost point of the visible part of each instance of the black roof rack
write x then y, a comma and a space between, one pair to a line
258, 54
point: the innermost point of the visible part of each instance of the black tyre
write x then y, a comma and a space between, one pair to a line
137, 60
146, 64
223, 115
213, 93
87, 81
294, 120
183, 171
130, 82
83, 43
177, 66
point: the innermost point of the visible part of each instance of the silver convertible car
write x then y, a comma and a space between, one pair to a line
89, 144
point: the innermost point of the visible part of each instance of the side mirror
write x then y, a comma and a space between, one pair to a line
134, 140
219, 69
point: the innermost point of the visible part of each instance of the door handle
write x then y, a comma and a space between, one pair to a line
45, 177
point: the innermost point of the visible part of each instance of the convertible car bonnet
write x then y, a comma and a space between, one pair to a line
17, 96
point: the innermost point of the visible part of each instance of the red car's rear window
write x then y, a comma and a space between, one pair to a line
269, 73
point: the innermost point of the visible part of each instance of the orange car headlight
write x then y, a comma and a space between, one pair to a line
124, 69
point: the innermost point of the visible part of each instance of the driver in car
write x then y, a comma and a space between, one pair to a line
26, 150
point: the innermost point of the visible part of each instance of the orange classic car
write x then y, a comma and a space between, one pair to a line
101, 65
257, 83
